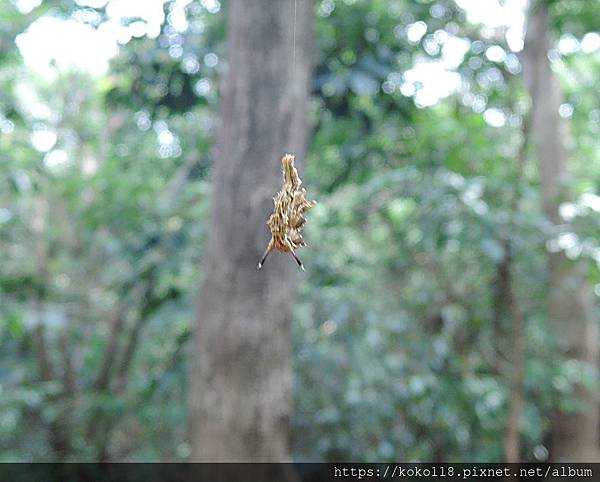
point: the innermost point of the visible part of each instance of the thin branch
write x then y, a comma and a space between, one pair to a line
108, 359
512, 441
152, 304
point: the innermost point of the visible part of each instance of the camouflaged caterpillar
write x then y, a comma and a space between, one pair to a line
287, 219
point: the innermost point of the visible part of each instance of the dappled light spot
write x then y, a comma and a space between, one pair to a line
495, 53
42, 138
56, 159
494, 117
65, 43
416, 31
212, 6
566, 110
590, 42
568, 44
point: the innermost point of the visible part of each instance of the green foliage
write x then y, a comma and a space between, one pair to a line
402, 337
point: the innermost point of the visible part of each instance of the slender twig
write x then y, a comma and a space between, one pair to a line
512, 443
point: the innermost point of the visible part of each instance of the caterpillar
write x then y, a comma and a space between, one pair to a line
287, 219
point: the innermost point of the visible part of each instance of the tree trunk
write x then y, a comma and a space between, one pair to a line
512, 436
575, 436
508, 278
241, 386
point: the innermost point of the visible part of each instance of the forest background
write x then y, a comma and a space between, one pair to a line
449, 311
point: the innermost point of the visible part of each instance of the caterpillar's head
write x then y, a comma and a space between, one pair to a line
290, 174
288, 161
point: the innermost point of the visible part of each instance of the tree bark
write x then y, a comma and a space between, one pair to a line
574, 436
241, 384
512, 436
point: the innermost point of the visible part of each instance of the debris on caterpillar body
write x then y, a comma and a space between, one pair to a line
287, 219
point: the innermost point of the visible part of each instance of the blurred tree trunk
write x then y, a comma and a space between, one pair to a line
240, 402
575, 435
512, 436
508, 284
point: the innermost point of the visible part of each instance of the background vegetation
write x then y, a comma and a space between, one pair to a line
428, 249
